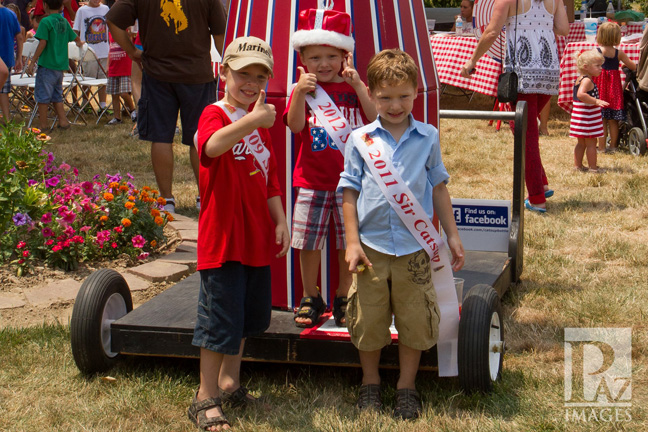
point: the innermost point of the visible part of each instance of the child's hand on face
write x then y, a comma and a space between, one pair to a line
307, 81
349, 73
264, 112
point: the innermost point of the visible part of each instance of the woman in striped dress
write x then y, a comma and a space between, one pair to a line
586, 120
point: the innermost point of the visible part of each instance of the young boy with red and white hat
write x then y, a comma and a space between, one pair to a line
328, 101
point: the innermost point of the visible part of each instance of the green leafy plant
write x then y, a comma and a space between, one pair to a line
48, 214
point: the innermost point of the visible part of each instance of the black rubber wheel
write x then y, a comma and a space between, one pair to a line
481, 340
636, 142
104, 297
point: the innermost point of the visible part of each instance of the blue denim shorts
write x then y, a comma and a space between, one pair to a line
235, 302
157, 109
49, 85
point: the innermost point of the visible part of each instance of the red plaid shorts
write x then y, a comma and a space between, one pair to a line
310, 223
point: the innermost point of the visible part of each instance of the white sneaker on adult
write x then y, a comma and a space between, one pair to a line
170, 205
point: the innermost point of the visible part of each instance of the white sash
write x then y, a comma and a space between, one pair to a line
253, 141
330, 117
410, 211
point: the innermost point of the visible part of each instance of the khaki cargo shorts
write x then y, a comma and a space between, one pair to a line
403, 287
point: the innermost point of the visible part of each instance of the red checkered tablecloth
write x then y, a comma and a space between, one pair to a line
577, 34
569, 73
450, 54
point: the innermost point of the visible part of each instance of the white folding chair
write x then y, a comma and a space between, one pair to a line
91, 86
22, 85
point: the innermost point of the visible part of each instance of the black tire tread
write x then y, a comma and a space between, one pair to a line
474, 328
85, 324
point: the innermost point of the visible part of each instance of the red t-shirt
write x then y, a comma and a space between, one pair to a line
119, 64
40, 10
319, 165
234, 222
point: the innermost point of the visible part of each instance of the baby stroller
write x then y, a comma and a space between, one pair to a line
633, 131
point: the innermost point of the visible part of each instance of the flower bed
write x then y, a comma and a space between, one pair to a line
47, 213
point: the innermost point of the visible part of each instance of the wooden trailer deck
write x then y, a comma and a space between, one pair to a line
164, 325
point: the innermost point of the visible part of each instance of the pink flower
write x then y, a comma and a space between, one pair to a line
69, 231
76, 190
103, 236
143, 256
87, 187
138, 241
69, 217
46, 218
47, 232
64, 166
85, 228
75, 172
56, 248
49, 242
21, 244
114, 245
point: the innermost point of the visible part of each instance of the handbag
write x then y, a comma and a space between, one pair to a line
507, 82
507, 87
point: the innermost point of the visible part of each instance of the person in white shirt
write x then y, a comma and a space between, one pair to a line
90, 25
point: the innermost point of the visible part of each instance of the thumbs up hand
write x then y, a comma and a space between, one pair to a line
264, 113
307, 81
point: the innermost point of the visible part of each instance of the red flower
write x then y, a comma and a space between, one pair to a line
25, 253
21, 244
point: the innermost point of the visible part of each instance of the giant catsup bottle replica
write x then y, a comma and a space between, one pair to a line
376, 26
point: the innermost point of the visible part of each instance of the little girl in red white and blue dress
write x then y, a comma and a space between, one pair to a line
586, 122
609, 82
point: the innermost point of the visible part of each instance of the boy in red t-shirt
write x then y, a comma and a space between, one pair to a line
119, 82
325, 49
240, 218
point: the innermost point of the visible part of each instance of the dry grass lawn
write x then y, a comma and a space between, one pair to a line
584, 266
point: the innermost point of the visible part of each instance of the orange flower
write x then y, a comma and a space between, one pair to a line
159, 220
146, 188
103, 218
126, 222
169, 216
135, 210
129, 205
123, 188
155, 212
155, 192
131, 198
153, 243
113, 185
108, 196
161, 201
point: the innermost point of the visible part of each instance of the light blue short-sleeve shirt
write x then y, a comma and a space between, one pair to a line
417, 158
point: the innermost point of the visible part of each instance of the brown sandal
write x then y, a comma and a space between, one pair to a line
197, 409
408, 404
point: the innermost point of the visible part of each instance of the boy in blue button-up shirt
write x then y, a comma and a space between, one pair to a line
399, 280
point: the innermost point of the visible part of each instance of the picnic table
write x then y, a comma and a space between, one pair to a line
569, 73
451, 52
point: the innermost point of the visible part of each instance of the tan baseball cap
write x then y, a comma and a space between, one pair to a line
248, 50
